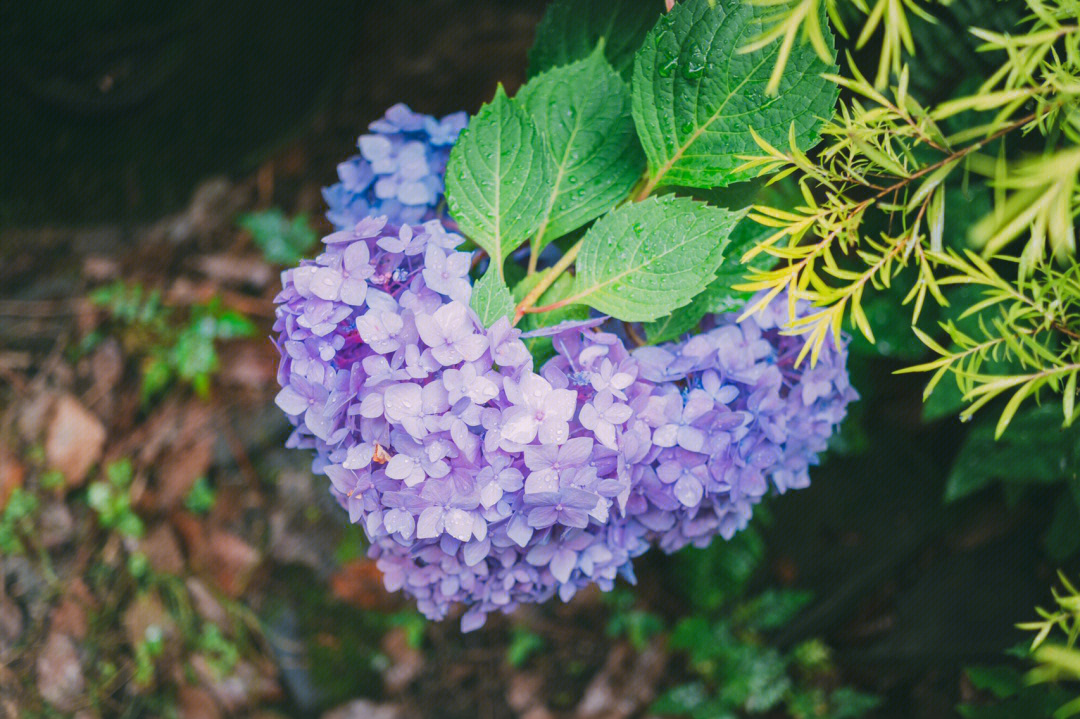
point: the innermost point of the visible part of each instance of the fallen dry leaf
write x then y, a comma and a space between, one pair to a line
359, 582
231, 561
69, 617
206, 605
196, 703
147, 614
162, 550
12, 474
181, 466
75, 440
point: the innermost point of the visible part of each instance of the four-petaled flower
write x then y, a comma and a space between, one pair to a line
448, 274
450, 334
447, 514
602, 415
568, 506
538, 411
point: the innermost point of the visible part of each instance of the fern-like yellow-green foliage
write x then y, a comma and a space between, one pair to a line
891, 187
1055, 645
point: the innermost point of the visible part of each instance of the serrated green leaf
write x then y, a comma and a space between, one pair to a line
498, 178
720, 296
583, 112
1035, 450
676, 324
641, 261
571, 29
491, 298
696, 96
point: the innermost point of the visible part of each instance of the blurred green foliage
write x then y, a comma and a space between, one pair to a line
282, 241
171, 346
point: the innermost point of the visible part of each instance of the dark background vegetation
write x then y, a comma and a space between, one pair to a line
134, 137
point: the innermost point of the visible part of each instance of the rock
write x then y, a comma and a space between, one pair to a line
364, 709
244, 271
626, 684
196, 703
34, 415
12, 474
75, 440
59, 675
162, 550
524, 691
240, 689
99, 269
248, 365
232, 561
26, 585
55, 525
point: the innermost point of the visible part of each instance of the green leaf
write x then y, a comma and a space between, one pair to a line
676, 324
696, 97
499, 178
642, 261
571, 29
719, 296
583, 111
1035, 450
541, 348
1061, 538
523, 644
848, 703
491, 298
282, 242
1002, 680
773, 608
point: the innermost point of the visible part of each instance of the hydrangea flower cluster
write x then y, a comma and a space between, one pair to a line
399, 171
482, 480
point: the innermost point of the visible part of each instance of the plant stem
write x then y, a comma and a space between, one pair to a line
541, 287
534, 256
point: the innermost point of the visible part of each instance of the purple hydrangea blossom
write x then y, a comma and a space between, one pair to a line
399, 171
482, 482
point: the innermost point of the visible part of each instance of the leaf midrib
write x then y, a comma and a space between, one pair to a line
667, 166
652, 260
539, 237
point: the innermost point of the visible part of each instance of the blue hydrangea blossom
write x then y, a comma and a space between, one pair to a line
399, 171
